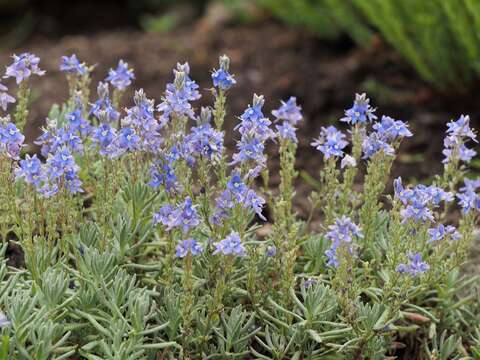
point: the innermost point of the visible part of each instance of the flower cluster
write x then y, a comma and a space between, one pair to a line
178, 95
442, 232
203, 140
458, 135
290, 114
341, 233
71, 65
103, 108
183, 216
361, 111
59, 172
11, 139
189, 246
5, 98
121, 77
255, 130
420, 200
222, 79
331, 142
231, 245
467, 197
24, 66
415, 266
237, 193
387, 131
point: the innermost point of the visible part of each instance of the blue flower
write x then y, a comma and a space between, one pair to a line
468, 199
418, 210
184, 216
11, 139
360, 112
441, 231
391, 128
237, 193
458, 134
221, 77
5, 98
121, 77
128, 140
71, 65
104, 135
236, 184
289, 111
286, 131
461, 128
30, 169
231, 245
204, 141
188, 246
77, 122
162, 173
331, 142
341, 232
415, 266
374, 143
23, 66
103, 108
253, 201
271, 251
178, 95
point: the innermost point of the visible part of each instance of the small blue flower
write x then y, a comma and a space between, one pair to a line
30, 169
104, 135
341, 232
458, 134
188, 246
4, 321
71, 65
77, 122
361, 111
222, 79
289, 111
415, 267
184, 216
236, 184
374, 143
204, 141
441, 232
103, 108
5, 98
231, 245
391, 128
271, 251
23, 66
128, 139
331, 142
121, 77
178, 95
468, 199
11, 139
287, 131
163, 173
310, 282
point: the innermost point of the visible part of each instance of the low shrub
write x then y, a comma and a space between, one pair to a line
143, 239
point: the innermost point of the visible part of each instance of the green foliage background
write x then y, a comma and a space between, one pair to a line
440, 38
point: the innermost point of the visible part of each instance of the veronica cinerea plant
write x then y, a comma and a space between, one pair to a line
141, 238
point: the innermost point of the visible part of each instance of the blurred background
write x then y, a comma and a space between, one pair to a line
419, 61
